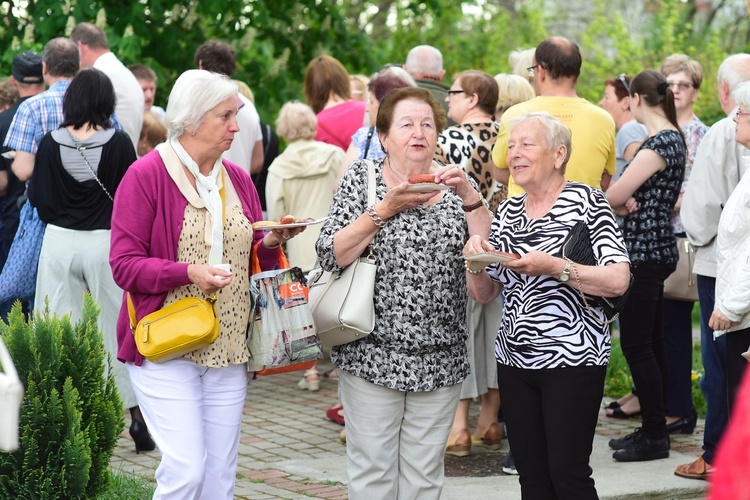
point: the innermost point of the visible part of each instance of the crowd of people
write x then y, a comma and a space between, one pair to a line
519, 163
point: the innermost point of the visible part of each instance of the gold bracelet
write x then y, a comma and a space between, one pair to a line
470, 270
580, 287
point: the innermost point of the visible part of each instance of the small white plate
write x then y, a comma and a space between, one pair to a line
491, 258
424, 188
267, 225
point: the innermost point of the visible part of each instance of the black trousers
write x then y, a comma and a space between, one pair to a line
737, 343
642, 340
551, 416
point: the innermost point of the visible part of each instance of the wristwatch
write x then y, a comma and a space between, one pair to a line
565, 274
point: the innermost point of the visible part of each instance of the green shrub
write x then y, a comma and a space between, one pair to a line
71, 415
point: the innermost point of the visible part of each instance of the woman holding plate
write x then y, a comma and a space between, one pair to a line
400, 385
553, 345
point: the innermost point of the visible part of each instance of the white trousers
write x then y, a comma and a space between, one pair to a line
395, 441
194, 414
71, 263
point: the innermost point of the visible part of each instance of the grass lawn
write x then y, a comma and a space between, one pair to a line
126, 486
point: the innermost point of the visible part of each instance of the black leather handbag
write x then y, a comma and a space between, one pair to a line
577, 248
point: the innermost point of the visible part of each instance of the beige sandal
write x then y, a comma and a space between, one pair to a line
310, 380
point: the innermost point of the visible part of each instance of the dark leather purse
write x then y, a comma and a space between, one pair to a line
578, 249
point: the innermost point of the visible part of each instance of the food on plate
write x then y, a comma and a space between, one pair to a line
287, 219
422, 179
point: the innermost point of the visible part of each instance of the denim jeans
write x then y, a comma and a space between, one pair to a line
714, 382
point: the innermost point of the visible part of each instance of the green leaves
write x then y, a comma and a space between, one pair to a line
71, 415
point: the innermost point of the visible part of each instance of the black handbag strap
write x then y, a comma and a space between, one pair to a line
369, 140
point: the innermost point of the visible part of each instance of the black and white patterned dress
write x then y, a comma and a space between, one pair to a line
648, 232
419, 341
545, 322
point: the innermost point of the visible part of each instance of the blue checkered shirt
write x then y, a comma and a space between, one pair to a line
38, 115
35, 117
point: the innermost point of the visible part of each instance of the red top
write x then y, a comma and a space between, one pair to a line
338, 124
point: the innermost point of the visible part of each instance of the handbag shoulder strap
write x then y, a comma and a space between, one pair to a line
131, 312
371, 183
370, 133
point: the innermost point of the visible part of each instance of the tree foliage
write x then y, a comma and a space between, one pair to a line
71, 415
275, 40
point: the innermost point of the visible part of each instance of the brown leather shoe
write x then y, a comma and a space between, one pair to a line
460, 445
699, 469
491, 439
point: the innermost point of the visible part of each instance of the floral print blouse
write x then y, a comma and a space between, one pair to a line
419, 340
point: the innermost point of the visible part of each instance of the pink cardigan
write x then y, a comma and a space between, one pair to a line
146, 224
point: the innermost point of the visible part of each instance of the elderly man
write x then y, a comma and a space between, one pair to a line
94, 49
424, 63
555, 69
717, 169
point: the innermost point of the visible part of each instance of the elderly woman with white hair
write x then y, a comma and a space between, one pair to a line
731, 315
180, 211
553, 345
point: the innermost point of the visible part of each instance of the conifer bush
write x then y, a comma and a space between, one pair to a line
71, 415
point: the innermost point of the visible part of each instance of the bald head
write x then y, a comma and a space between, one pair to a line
425, 61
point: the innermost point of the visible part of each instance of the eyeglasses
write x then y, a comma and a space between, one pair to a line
530, 70
453, 92
622, 79
740, 114
681, 85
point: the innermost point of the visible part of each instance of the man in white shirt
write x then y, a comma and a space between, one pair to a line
247, 147
717, 169
94, 50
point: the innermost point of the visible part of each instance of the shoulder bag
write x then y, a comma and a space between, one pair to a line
18, 278
175, 330
681, 284
343, 302
578, 249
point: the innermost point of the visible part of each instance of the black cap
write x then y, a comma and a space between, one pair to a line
27, 67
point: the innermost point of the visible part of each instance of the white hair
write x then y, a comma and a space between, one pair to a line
741, 95
555, 132
195, 92
734, 70
424, 60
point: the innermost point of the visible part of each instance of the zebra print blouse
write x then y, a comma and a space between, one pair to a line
545, 323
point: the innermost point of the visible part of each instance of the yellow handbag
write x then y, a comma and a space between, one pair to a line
175, 330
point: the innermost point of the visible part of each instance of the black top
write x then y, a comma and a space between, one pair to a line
10, 210
648, 231
63, 201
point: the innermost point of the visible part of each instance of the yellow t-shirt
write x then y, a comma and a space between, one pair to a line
593, 138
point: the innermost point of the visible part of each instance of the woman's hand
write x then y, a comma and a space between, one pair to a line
276, 237
475, 245
719, 322
398, 199
208, 278
456, 178
536, 263
630, 206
